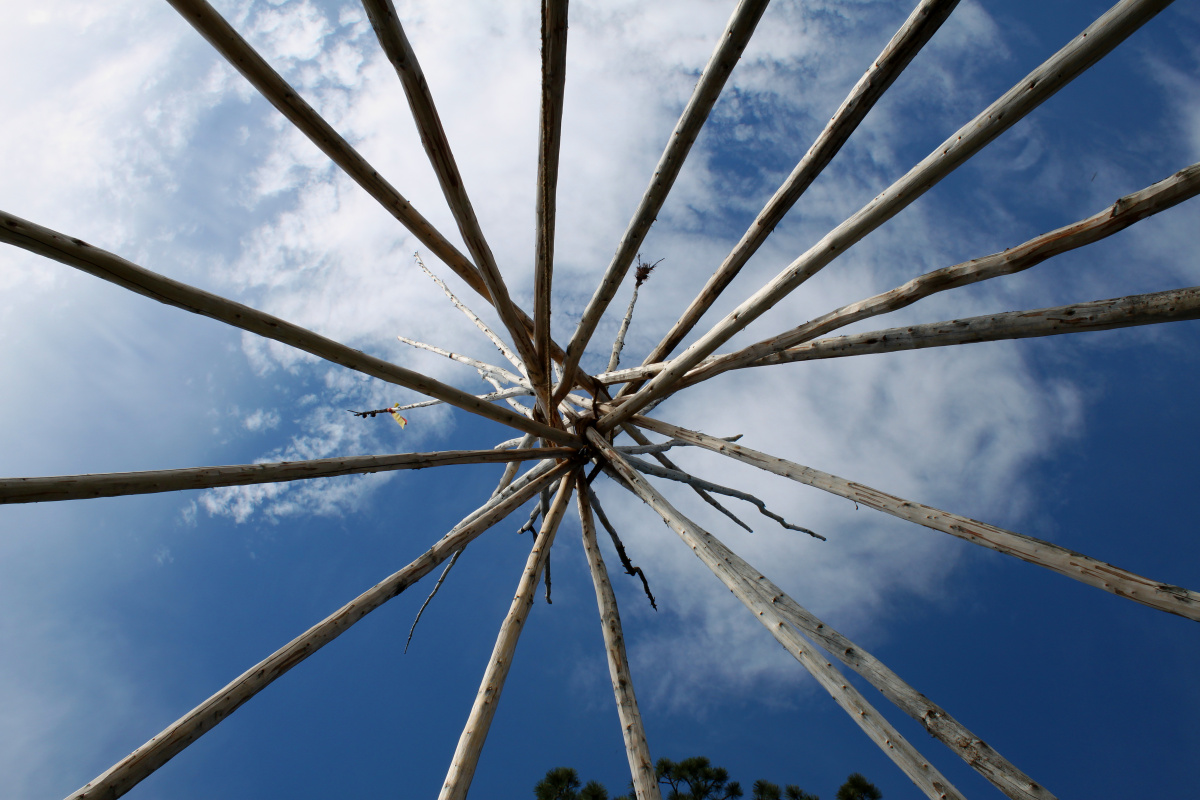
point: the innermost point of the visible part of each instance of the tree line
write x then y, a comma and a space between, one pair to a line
693, 779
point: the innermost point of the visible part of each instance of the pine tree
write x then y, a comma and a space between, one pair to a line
857, 787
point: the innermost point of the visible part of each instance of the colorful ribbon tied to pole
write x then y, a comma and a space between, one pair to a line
401, 421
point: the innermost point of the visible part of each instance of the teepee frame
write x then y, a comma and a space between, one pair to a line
576, 431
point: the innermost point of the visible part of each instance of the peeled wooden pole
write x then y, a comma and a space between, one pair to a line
1082, 52
1002, 773
102, 264
470, 743
1126, 211
139, 764
1123, 583
916, 31
741, 579
437, 146
115, 484
720, 64
254, 68
511, 470
554, 76
641, 765
1175, 305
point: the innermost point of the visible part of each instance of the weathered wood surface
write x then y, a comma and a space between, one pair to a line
720, 64
470, 743
242, 57
1002, 773
1121, 582
115, 484
107, 266
511, 470
1087, 48
743, 581
139, 764
641, 765
554, 76
916, 31
254, 68
1175, 305
1126, 211
399, 51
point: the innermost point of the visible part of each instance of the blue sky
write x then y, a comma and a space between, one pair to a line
126, 130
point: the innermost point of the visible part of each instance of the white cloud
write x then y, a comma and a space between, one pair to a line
162, 153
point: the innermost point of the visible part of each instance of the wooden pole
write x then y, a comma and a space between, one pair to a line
1098, 315
116, 484
720, 64
139, 764
470, 743
254, 68
739, 578
1123, 583
920, 26
641, 765
1090, 46
94, 261
554, 76
1126, 211
437, 146
511, 470
1174, 305
1002, 773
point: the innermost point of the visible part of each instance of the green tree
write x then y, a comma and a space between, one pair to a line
765, 790
857, 787
702, 780
561, 783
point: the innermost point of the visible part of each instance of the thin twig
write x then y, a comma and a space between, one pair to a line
641, 274
630, 569
640, 438
483, 366
504, 349
692, 480
436, 586
441, 157
735, 573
